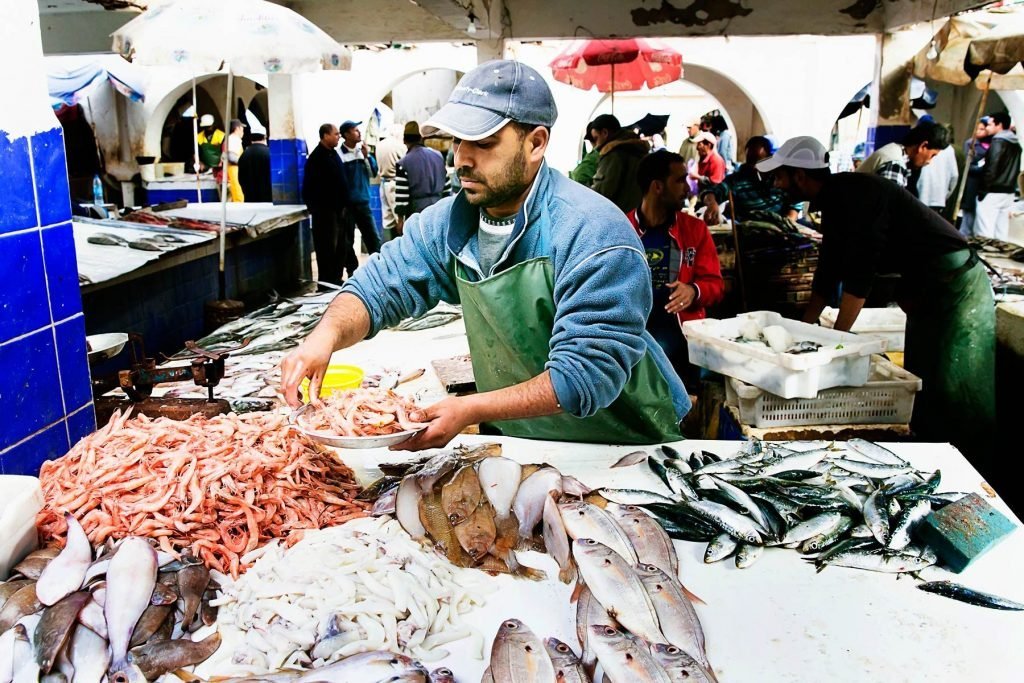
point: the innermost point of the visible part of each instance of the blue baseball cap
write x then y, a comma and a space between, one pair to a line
348, 125
492, 95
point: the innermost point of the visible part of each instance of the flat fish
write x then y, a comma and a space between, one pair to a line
156, 659
103, 239
149, 623
435, 524
192, 583
499, 479
32, 567
90, 656
22, 603
55, 628
461, 496
477, 534
65, 573
142, 245
130, 580
529, 502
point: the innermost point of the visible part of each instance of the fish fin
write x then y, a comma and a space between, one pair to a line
530, 573
577, 590
567, 576
694, 598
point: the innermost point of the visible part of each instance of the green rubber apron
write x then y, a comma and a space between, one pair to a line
951, 344
509, 321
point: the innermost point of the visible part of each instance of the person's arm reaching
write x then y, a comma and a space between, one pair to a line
533, 398
849, 309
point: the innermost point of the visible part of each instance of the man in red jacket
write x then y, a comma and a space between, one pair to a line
684, 264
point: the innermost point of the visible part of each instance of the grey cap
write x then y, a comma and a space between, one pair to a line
492, 95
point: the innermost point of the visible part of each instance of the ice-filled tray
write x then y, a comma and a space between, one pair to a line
843, 360
889, 324
887, 398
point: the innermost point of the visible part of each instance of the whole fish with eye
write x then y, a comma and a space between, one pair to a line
969, 595
568, 668
461, 496
625, 659
518, 656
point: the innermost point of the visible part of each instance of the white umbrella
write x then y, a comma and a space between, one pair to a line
240, 36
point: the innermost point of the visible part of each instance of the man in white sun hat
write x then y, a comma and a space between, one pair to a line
553, 282
872, 226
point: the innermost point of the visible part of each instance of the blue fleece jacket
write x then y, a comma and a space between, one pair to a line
602, 284
357, 170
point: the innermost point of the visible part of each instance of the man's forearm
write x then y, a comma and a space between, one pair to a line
533, 398
815, 306
346, 321
849, 309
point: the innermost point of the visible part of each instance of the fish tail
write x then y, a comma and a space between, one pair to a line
693, 597
567, 574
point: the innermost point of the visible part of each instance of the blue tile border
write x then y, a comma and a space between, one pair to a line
72, 363
61, 271
49, 165
30, 397
18, 208
24, 306
81, 423
27, 456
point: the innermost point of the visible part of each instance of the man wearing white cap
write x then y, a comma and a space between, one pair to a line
553, 282
871, 226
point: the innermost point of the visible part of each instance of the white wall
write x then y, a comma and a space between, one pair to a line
798, 84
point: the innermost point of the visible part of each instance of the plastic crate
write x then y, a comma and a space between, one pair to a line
887, 398
889, 324
843, 361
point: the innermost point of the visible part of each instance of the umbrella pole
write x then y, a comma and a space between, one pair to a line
222, 282
613, 88
970, 151
195, 141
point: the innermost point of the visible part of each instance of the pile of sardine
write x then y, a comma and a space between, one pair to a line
130, 614
854, 506
519, 655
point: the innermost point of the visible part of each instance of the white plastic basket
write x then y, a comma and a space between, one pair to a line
843, 361
887, 398
889, 324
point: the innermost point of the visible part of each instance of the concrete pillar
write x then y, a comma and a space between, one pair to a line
287, 149
488, 50
491, 45
45, 391
891, 117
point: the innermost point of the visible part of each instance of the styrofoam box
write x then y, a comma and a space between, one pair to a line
843, 361
889, 324
21, 499
887, 398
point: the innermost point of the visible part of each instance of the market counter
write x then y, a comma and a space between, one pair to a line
779, 620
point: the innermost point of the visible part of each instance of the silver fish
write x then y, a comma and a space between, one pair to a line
499, 480
556, 541
728, 520
824, 540
529, 501
747, 555
743, 499
875, 452
876, 561
796, 461
680, 666
720, 547
568, 668
815, 526
584, 520
899, 538
648, 538
518, 656
876, 516
679, 622
872, 470
66, 572
130, 580
969, 595
368, 666
89, 656
630, 459
618, 588
624, 659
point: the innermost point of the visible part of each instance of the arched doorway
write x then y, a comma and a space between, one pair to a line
413, 97
169, 133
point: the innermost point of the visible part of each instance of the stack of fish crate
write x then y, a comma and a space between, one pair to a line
840, 382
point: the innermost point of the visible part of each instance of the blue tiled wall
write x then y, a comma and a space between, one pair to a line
45, 392
881, 136
287, 163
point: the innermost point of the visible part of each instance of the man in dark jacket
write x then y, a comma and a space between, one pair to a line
254, 170
358, 166
620, 154
323, 191
998, 179
421, 177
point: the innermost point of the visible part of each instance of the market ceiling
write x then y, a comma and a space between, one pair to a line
84, 26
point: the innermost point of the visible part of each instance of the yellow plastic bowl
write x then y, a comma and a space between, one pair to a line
337, 378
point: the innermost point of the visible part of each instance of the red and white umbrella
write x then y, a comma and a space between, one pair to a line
616, 65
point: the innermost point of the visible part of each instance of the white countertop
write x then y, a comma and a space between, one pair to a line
780, 620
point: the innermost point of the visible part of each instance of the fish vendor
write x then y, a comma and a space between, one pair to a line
870, 226
553, 282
